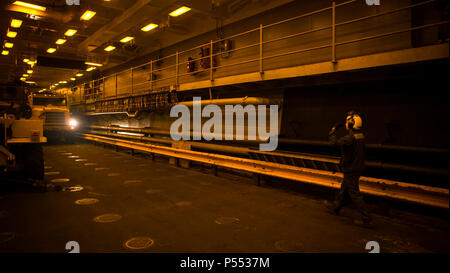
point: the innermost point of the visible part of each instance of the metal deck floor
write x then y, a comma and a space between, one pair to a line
185, 210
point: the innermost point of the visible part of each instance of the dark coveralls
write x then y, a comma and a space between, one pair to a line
352, 164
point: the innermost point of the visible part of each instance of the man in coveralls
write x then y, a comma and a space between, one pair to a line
352, 164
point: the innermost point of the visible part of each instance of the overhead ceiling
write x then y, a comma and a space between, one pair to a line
114, 19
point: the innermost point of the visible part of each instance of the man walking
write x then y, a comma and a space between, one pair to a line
352, 164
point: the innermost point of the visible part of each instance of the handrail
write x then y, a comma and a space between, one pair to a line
101, 90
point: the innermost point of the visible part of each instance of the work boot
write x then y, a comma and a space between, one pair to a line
330, 208
364, 224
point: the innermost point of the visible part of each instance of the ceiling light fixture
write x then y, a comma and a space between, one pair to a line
25, 75
110, 48
5, 52
87, 15
51, 50
90, 68
79, 74
126, 39
26, 60
60, 41
72, 79
29, 71
11, 34
93, 64
9, 45
179, 11
149, 27
70, 32
28, 5
16, 23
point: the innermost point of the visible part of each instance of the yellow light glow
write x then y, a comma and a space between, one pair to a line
149, 27
9, 45
60, 41
70, 32
23, 79
51, 50
93, 64
29, 71
87, 15
11, 34
126, 39
62, 81
72, 79
56, 84
5, 52
15, 23
26, 60
179, 11
90, 68
30, 82
79, 74
28, 5
25, 75
110, 48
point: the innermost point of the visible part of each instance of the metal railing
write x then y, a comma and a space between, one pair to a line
152, 76
424, 195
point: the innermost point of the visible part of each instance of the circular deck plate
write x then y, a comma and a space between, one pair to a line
286, 205
51, 173
227, 220
153, 191
289, 246
133, 181
87, 201
183, 203
139, 243
107, 218
74, 188
60, 180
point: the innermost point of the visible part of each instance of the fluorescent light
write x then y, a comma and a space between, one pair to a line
28, 5
16, 23
26, 60
87, 15
9, 45
110, 48
60, 41
90, 68
149, 27
25, 75
30, 82
72, 79
29, 71
23, 79
62, 81
51, 50
179, 11
56, 84
93, 64
5, 52
11, 34
79, 74
70, 32
126, 39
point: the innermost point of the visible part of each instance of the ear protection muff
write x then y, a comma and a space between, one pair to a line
354, 120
